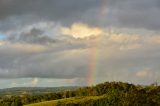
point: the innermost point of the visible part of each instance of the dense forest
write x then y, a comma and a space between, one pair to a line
105, 94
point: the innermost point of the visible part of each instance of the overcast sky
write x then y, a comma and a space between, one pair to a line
79, 42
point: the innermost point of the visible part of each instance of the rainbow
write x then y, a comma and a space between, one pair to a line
93, 64
94, 52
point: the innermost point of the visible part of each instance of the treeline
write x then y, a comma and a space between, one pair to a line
115, 93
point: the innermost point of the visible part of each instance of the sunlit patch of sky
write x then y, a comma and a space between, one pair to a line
2, 37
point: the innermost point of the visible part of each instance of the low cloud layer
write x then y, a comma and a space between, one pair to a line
121, 57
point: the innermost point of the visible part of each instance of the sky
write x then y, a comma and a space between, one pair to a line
48, 43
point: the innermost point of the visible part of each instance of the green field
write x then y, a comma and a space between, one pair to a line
68, 101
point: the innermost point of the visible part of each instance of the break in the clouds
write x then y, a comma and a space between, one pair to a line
57, 41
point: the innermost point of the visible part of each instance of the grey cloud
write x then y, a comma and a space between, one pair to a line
24, 59
120, 13
71, 61
27, 56
16, 13
132, 14
43, 65
75, 64
53, 9
34, 36
138, 14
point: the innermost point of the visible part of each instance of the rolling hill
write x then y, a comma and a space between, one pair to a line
104, 94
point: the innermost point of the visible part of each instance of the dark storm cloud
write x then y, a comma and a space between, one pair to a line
51, 9
123, 13
137, 14
20, 13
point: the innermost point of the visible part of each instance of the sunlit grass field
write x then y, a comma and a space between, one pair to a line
74, 100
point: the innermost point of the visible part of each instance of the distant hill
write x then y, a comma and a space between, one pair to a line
8, 92
104, 94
